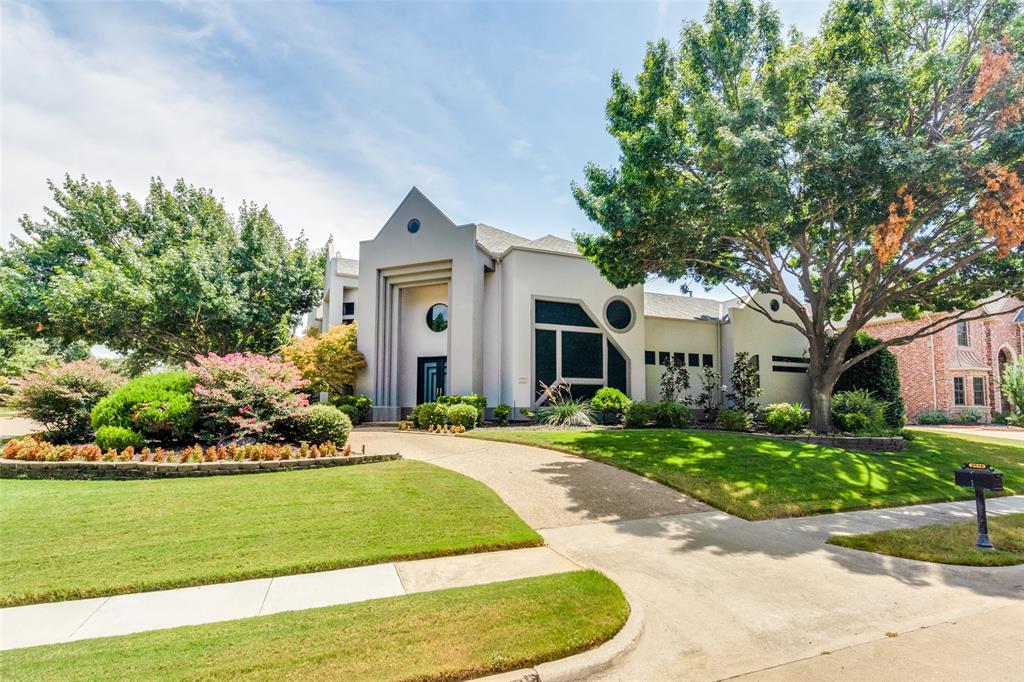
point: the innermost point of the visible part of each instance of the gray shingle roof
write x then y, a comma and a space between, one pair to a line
550, 242
496, 241
681, 307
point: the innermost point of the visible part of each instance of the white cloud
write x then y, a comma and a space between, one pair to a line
126, 115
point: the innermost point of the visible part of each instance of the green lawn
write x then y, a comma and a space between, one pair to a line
947, 544
762, 478
444, 635
74, 539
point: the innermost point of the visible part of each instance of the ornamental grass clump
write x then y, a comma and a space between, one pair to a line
561, 409
61, 398
786, 417
244, 394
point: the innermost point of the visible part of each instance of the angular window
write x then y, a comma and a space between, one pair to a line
649, 357
979, 390
694, 360
959, 394
582, 356
616, 368
348, 308
556, 312
544, 357
962, 338
707, 360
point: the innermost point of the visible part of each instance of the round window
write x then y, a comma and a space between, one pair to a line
619, 314
774, 305
437, 317
414, 225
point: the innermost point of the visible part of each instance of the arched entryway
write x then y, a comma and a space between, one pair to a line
1005, 358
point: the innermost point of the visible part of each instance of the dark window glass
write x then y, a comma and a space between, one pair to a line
961, 334
789, 368
618, 314
413, 226
755, 360
437, 317
581, 356
959, 394
556, 312
648, 357
679, 358
663, 358
616, 368
979, 390
584, 391
708, 360
544, 357
348, 308
790, 358
694, 360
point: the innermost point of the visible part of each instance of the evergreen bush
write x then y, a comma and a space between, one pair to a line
158, 405
878, 373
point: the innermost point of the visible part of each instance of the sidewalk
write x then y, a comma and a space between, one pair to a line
55, 622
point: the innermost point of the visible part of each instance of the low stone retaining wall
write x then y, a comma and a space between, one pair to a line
877, 444
13, 468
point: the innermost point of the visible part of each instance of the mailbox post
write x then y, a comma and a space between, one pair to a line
981, 477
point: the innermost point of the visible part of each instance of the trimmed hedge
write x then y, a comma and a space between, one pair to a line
320, 423
463, 415
117, 438
159, 406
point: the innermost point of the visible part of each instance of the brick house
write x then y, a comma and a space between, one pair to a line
955, 369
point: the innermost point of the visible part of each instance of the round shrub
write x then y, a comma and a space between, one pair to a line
117, 438
321, 424
61, 398
637, 415
671, 414
430, 414
350, 411
862, 402
854, 422
734, 420
609, 402
501, 414
786, 417
463, 415
158, 405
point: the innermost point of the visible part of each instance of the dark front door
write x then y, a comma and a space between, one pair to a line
431, 374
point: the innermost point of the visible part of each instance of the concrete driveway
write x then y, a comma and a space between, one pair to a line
725, 597
13, 427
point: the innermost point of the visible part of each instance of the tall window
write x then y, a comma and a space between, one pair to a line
959, 394
348, 308
962, 338
979, 390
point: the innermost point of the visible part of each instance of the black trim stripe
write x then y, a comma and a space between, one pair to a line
790, 358
788, 368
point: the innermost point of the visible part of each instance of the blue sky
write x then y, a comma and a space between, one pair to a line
327, 112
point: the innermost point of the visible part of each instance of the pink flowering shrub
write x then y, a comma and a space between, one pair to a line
61, 398
243, 394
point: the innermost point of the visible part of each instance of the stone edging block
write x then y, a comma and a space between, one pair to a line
14, 468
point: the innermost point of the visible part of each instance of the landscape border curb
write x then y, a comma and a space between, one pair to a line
582, 665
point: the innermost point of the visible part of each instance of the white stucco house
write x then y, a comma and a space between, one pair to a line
457, 309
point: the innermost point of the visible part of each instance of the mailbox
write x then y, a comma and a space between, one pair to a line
972, 475
981, 477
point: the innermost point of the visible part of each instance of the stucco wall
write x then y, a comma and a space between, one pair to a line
415, 339
679, 336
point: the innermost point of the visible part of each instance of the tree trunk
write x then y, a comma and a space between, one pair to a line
821, 408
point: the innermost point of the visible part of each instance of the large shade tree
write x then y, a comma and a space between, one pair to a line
872, 168
164, 280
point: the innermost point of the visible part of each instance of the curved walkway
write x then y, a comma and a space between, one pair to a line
725, 597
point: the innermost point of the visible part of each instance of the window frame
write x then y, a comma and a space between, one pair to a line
963, 332
975, 381
962, 390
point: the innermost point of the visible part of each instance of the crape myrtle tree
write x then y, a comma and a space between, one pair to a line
873, 168
162, 281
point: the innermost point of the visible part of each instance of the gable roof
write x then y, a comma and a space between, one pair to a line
495, 241
550, 242
677, 307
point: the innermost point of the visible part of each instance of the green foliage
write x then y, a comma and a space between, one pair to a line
879, 373
561, 409
20, 354
999, 418
320, 423
672, 414
62, 397
117, 438
1011, 384
501, 414
477, 401
160, 280
358, 406
786, 417
638, 414
426, 415
770, 163
745, 384
158, 405
933, 417
463, 414
610, 402
858, 411
970, 415
675, 379
710, 382
733, 419
1015, 419
330, 361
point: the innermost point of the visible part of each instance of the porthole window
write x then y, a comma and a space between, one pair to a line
618, 313
413, 226
437, 317
774, 305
